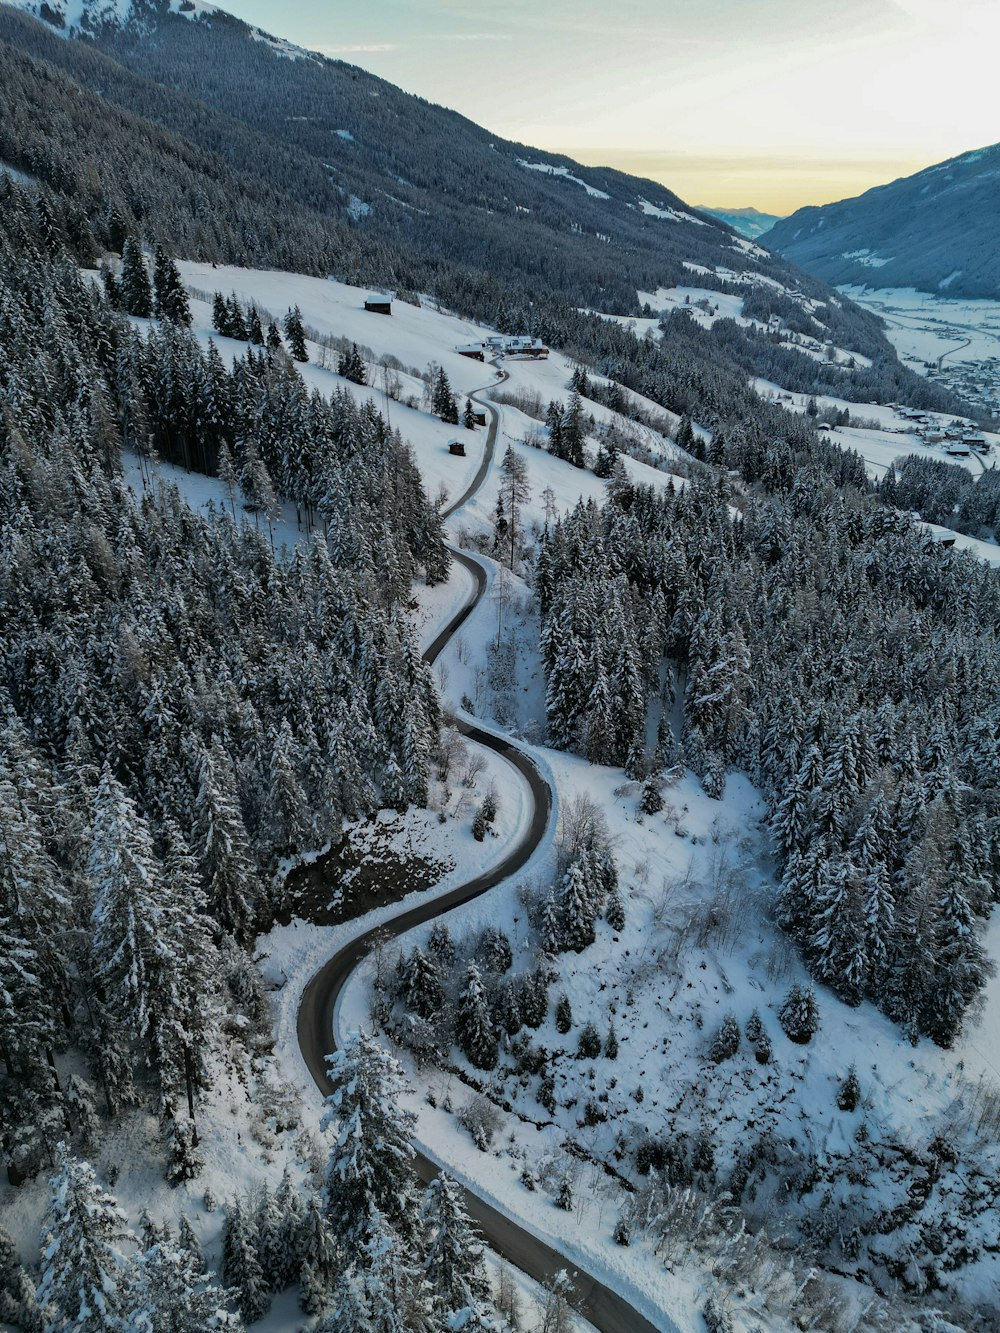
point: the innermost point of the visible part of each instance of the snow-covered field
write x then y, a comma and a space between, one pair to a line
923, 327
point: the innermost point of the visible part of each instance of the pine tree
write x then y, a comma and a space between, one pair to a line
611, 1042
133, 281
223, 846
443, 400
296, 336
274, 343
368, 1171
422, 987
799, 1015
220, 315
128, 912
589, 1043
453, 1262
255, 331
169, 1293
564, 1014
473, 1026
349, 1311
170, 301
84, 1272
317, 1254
576, 910
469, 418
240, 1263
18, 1305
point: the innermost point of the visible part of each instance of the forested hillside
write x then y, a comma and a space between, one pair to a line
182, 707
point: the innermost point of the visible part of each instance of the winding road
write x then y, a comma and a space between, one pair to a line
603, 1307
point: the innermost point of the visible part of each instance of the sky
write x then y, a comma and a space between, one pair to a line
729, 103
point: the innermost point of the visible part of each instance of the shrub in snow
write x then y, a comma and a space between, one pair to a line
564, 1014
726, 1041
564, 1195
593, 1113
754, 1028
209, 1202
799, 1015
762, 1049
530, 1059
611, 1042
717, 1317
589, 1045
489, 806
546, 1094
482, 1119
528, 1178
850, 1091
623, 1230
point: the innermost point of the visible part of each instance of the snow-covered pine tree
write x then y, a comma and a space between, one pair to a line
443, 400
170, 1293
296, 335
170, 299
241, 1266
422, 989
18, 1305
453, 1262
318, 1255
577, 912
349, 1310
223, 846
473, 1025
368, 1169
127, 916
133, 281
84, 1270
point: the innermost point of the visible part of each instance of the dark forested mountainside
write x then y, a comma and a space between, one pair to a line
842, 659
935, 231
180, 708
125, 153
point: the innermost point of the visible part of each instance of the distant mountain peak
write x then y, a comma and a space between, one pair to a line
749, 222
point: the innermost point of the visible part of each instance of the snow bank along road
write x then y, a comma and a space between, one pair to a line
602, 1306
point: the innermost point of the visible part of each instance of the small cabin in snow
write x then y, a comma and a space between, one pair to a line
477, 351
457, 447
478, 418
379, 305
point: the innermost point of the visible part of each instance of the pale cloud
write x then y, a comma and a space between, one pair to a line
357, 48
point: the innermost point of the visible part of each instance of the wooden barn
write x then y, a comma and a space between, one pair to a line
478, 418
379, 305
476, 351
457, 447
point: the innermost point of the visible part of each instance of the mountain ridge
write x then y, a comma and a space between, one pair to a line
934, 230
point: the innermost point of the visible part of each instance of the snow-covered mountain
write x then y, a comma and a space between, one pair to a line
749, 222
935, 230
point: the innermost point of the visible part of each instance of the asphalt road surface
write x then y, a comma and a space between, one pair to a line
604, 1308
